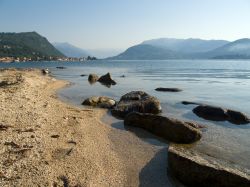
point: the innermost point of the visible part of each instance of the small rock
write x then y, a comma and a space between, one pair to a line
72, 142
92, 78
3, 127
168, 89
55, 136
102, 102
45, 71
61, 67
189, 103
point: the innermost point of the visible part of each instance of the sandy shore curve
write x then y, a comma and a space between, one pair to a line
46, 142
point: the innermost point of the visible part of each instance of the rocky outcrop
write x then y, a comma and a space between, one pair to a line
136, 101
170, 129
107, 80
93, 78
220, 114
193, 169
168, 89
102, 102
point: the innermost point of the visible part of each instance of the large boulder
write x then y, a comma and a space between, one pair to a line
193, 169
102, 102
220, 114
136, 101
170, 129
93, 78
168, 89
107, 80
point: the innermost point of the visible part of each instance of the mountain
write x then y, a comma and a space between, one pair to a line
70, 50
170, 48
186, 46
26, 44
239, 49
146, 52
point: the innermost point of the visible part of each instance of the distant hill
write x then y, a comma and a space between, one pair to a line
146, 52
186, 46
166, 48
26, 44
70, 50
239, 49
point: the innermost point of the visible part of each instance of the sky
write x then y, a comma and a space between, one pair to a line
119, 24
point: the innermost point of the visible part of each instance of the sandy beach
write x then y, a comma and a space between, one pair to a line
46, 142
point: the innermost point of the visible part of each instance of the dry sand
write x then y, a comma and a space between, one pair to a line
46, 142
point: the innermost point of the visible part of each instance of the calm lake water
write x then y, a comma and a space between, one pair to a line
221, 83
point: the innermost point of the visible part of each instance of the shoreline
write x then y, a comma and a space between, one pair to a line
48, 142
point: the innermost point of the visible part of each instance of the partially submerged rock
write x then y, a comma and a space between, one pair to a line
136, 101
61, 67
193, 169
102, 102
107, 80
170, 129
83, 75
210, 112
45, 71
220, 114
93, 78
236, 117
168, 89
189, 103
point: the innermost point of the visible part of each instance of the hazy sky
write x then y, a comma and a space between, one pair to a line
118, 24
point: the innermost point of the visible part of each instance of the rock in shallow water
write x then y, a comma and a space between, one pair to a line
102, 102
45, 71
220, 114
168, 89
170, 129
193, 169
93, 78
61, 67
107, 80
136, 101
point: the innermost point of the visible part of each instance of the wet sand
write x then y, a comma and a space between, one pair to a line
46, 142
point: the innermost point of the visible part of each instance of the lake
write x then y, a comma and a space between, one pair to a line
224, 83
